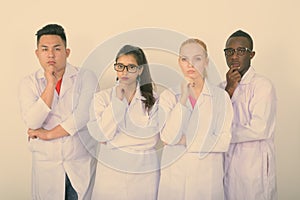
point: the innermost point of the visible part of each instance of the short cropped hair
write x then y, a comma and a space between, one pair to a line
52, 29
241, 33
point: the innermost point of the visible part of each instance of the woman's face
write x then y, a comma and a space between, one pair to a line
192, 60
125, 77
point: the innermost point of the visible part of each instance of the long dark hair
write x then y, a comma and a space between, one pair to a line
146, 83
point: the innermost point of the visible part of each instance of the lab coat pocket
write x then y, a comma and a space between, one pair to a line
42, 150
222, 141
30, 145
79, 149
265, 173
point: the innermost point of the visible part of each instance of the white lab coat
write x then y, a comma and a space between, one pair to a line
51, 160
128, 165
250, 161
194, 170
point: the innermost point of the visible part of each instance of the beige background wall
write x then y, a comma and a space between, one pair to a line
272, 23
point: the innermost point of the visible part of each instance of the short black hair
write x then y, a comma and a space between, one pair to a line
240, 33
52, 29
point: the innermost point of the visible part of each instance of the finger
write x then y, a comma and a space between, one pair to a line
235, 74
235, 77
190, 82
233, 69
32, 137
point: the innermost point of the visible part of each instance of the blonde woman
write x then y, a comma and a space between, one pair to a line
196, 130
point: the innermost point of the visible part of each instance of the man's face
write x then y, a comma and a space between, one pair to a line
51, 50
241, 61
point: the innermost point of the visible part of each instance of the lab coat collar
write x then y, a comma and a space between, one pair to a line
246, 79
67, 82
205, 91
138, 94
69, 72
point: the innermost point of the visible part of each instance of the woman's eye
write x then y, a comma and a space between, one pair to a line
183, 59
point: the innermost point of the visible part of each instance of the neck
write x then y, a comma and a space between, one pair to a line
130, 92
198, 86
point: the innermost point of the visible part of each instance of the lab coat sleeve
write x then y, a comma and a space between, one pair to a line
139, 123
262, 110
105, 114
139, 133
34, 110
222, 137
85, 87
173, 115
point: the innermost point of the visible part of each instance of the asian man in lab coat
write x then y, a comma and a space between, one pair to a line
54, 101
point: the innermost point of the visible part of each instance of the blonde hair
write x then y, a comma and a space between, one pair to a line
197, 41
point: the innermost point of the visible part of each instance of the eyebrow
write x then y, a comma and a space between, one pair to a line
180, 55
199, 55
57, 45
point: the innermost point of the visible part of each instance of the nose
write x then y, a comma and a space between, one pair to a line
125, 71
51, 53
190, 64
235, 54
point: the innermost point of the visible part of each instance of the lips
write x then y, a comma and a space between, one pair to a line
191, 71
51, 62
235, 64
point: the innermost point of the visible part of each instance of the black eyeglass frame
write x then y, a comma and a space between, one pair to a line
240, 51
128, 67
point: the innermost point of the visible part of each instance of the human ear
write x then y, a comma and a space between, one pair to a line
68, 51
252, 54
141, 70
37, 52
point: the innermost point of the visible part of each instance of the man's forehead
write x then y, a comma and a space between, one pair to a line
50, 42
50, 39
238, 40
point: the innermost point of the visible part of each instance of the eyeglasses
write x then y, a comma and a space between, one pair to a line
131, 68
240, 51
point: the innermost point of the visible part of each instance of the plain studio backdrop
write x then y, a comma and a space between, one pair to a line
273, 24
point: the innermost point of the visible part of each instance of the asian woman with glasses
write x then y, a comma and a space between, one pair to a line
124, 120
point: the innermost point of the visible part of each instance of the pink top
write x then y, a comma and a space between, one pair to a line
193, 101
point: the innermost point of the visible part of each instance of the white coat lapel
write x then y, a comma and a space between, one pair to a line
68, 80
